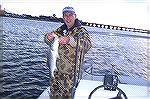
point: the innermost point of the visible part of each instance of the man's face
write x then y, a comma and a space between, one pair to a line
69, 19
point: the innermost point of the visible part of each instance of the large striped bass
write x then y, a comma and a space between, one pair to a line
52, 55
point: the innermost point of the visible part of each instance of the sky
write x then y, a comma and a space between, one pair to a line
127, 13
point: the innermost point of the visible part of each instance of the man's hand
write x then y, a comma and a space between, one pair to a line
64, 40
50, 36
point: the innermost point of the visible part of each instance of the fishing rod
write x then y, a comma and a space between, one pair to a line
77, 76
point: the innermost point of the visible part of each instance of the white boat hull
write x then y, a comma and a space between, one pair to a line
86, 86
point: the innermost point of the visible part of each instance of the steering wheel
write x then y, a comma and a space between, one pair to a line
119, 93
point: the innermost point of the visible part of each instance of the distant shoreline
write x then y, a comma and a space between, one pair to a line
55, 19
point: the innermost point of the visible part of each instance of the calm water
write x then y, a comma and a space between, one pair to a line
24, 72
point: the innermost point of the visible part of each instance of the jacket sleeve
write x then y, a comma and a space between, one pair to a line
84, 39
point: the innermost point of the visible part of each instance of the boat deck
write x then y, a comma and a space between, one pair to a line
86, 86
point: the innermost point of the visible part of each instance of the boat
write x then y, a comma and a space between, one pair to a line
88, 89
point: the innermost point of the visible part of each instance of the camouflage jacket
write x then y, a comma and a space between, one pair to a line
67, 53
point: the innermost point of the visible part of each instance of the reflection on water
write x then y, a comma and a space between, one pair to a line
25, 74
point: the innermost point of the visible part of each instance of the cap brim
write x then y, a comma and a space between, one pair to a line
69, 12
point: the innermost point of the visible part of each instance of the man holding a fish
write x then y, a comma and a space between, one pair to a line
73, 44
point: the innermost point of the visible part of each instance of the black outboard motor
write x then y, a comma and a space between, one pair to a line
110, 82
